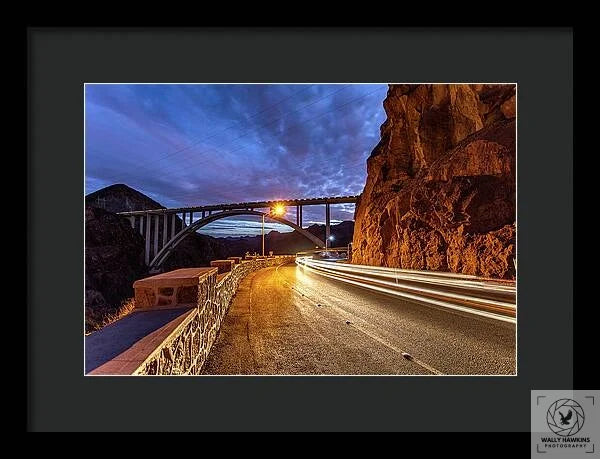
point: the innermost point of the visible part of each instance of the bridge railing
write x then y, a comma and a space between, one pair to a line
321, 250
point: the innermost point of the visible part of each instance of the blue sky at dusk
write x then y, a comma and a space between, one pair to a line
187, 145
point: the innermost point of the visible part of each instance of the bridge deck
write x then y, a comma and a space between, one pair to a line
251, 205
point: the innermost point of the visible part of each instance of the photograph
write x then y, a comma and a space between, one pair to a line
300, 229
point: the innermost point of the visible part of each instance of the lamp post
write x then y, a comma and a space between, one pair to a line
263, 235
327, 239
276, 211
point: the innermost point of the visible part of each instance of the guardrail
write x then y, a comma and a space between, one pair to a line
492, 298
321, 250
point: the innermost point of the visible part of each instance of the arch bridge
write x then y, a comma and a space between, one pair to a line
164, 229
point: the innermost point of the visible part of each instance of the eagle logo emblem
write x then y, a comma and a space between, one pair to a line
565, 417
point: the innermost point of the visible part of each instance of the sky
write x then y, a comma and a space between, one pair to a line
198, 144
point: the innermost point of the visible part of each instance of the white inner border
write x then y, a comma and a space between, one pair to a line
323, 83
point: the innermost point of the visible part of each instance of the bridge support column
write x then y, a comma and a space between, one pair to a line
203, 214
300, 223
298, 215
147, 246
183, 219
173, 221
132, 220
327, 224
165, 228
191, 217
156, 219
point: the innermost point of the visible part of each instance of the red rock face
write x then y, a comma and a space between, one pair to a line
440, 191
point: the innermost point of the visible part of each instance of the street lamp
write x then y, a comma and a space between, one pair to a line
276, 211
330, 238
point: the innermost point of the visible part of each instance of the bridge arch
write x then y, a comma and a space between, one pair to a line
164, 253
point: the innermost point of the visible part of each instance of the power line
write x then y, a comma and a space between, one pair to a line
163, 174
289, 127
250, 131
171, 154
195, 193
200, 139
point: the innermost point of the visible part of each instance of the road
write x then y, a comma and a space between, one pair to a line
287, 320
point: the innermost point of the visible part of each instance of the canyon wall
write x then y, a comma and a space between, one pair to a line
440, 190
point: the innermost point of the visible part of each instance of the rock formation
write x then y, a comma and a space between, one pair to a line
114, 259
121, 198
440, 190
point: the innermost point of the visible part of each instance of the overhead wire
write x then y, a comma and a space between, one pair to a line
248, 130
302, 122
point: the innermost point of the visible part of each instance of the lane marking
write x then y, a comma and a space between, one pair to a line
336, 310
306, 298
342, 313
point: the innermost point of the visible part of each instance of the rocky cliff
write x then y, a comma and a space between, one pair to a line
114, 259
440, 190
121, 198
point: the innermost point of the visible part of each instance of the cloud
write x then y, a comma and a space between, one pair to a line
208, 144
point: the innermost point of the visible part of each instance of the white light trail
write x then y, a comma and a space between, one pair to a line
472, 296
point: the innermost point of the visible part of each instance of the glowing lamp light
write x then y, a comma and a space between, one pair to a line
278, 210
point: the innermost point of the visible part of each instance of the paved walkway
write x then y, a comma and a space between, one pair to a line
105, 344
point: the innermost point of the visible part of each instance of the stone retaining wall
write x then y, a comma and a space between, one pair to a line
186, 348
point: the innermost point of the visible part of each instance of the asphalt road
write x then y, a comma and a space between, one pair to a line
289, 321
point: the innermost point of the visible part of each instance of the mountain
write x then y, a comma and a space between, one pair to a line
291, 242
121, 198
440, 191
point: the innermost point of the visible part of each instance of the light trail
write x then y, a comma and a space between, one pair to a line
446, 290
437, 278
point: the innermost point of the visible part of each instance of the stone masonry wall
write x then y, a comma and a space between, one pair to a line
186, 349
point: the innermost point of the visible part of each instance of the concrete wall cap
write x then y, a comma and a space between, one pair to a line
179, 277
